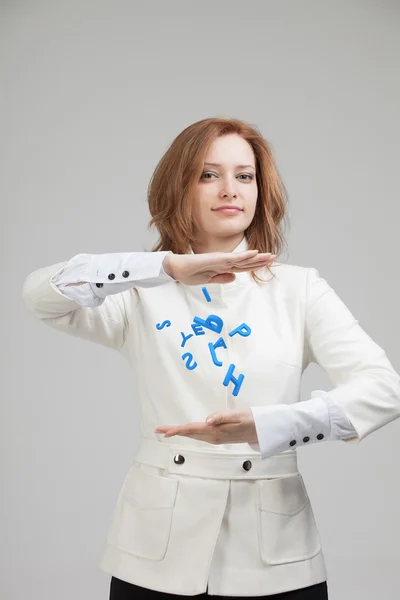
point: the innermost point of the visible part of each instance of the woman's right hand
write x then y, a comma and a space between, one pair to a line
213, 267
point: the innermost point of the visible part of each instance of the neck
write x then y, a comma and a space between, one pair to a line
217, 244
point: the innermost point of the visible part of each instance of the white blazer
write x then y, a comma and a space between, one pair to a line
192, 516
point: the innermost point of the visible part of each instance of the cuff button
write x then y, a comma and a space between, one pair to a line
306, 439
111, 276
293, 443
320, 436
99, 284
125, 274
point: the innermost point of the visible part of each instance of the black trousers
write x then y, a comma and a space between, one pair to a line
122, 590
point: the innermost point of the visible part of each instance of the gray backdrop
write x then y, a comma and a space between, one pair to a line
94, 93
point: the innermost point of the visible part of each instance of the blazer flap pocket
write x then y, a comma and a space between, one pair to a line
145, 489
283, 495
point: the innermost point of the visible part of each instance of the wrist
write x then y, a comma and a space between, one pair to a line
167, 265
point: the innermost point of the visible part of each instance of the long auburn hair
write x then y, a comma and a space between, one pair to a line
172, 185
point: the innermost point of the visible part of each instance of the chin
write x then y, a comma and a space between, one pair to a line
231, 228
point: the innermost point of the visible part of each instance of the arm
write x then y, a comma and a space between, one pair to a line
85, 311
367, 387
367, 392
99, 309
286, 427
90, 278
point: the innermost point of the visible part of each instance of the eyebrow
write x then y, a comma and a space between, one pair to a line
237, 166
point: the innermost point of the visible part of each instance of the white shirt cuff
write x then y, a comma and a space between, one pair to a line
286, 427
107, 274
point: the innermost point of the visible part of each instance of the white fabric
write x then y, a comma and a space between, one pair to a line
276, 426
145, 269
300, 424
226, 515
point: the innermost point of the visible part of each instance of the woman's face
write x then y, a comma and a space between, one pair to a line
226, 194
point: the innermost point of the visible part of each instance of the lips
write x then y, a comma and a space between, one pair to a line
229, 209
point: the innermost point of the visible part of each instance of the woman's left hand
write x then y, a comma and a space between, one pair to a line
234, 426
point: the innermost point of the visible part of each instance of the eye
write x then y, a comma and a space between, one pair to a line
248, 175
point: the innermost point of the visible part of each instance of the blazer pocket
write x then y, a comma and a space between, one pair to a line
287, 531
142, 519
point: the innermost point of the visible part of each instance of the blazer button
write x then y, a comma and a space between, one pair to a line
179, 459
111, 276
125, 274
247, 465
293, 443
320, 436
306, 439
99, 284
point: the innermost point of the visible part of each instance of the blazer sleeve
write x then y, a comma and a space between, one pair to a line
285, 427
108, 274
367, 387
102, 318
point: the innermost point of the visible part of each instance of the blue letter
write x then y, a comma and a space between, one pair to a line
185, 338
163, 324
198, 329
220, 342
212, 322
243, 329
188, 365
229, 377
206, 294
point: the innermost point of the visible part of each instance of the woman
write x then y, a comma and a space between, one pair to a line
212, 325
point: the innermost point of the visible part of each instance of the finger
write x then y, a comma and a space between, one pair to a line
220, 418
246, 254
223, 263
229, 438
226, 277
196, 435
253, 265
243, 257
186, 433
256, 259
205, 429
228, 257
189, 428
222, 278
232, 261
247, 269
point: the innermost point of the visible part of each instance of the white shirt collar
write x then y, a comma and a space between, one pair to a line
241, 247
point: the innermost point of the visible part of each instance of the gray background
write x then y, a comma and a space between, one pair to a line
93, 93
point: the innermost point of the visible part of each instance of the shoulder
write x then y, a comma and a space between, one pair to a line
296, 279
289, 274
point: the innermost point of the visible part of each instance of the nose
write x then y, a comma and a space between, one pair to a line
228, 188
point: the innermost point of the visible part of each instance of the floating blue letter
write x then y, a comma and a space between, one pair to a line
206, 294
243, 330
218, 344
163, 324
212, 322
185, 338
189, 356
229, 377
198, 329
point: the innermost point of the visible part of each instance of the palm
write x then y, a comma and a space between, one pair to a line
214, 267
